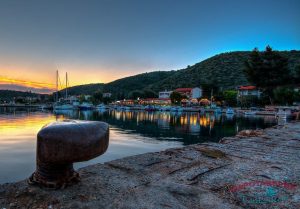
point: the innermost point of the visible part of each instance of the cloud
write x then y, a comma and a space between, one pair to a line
21, 85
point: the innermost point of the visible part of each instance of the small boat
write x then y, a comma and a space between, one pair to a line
101, 107
252, 111
266, 112
229, 111
45, 107
179, 109
86, 106
164, 108
176, 109
138, 107
282, 113
189, 109
150, 108
217, 110
161, 108
127, 108
62, 104
63, 107
167, 108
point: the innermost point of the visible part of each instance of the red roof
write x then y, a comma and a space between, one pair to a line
150, 99
247, 87
184, 89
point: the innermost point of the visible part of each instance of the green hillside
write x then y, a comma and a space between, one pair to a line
225, 71
124, 86
84, 89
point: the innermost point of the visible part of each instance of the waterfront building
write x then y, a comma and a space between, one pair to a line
196, 93
126, 102
87, 97
248, 91
106, 95
155, 101
164, 94
190, 93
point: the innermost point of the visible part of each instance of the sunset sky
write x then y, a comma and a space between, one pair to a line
103, 40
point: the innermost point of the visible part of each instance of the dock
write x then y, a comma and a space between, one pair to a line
255, 169
20, 106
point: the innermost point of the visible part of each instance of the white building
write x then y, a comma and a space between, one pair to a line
107, 95
248, 91
196, 93
191, 93
87, 97
164, 94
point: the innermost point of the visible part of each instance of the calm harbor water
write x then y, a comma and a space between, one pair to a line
131, 133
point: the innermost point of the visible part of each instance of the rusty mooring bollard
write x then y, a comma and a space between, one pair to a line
60, 144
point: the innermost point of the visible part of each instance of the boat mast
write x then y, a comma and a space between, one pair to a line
56, 98
66, 85
211, 96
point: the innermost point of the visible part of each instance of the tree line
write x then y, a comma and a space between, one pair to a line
269, 71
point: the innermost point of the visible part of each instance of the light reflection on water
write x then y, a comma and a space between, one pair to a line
131, 133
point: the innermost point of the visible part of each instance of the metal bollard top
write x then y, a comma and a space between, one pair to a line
70, 141
60, 144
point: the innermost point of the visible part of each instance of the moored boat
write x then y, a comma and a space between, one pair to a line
101, 107
283, 113
217, 110
62, 106
86, 106
229, 111
176, 109
150, 108
251, 111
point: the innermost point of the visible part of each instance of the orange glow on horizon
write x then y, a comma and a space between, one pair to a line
28, 84
47, 82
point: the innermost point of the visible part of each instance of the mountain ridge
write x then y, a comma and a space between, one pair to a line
224, 71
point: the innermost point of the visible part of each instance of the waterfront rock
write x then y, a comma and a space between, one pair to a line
244, 172
250, 133
60, 144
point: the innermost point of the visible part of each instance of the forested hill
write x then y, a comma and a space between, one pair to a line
224, 71
124, 86
8, 95
85, 89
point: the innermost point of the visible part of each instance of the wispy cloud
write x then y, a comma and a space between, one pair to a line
22, 85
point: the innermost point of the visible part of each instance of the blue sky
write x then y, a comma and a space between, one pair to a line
100, 41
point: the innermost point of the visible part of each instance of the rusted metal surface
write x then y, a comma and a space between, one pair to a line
62, 143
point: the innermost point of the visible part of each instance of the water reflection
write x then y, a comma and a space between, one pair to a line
131, 132
187, 128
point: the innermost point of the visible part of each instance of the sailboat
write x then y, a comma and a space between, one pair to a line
62, 104
86, 106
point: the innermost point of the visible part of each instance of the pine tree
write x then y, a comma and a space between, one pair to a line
267, 70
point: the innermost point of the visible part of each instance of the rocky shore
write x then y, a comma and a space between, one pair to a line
255, 169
